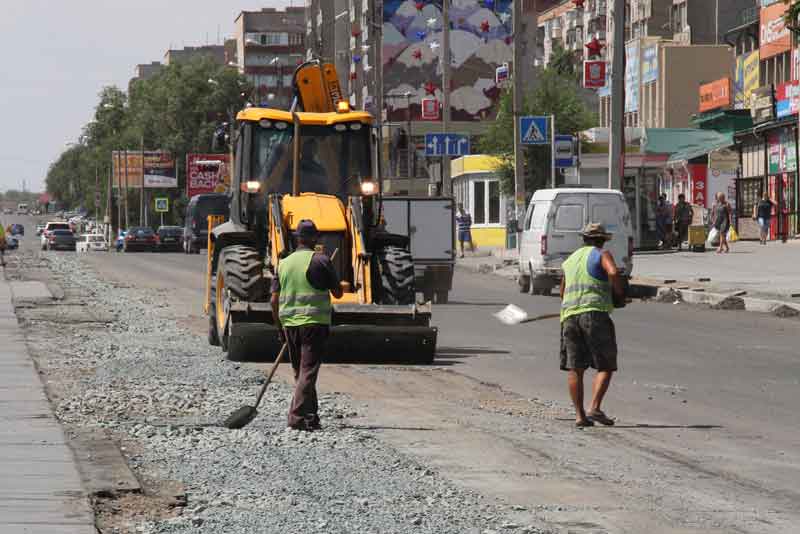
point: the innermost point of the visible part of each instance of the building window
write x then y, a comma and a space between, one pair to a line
479, 201
494, 202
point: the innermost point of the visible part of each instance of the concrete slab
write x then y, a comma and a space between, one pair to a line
40, 488
30, 291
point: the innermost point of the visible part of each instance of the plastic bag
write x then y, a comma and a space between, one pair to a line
732, 235
713, 238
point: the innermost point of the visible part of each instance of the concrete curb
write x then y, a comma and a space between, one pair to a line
697, 298
729, 301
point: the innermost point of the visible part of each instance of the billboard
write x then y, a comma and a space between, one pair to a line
154, 169
752, 72
207, 173
594, 74
775, 36
787, 99
632, 77
715, 95
650, 63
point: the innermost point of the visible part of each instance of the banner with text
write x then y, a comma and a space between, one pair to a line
207, 173
154, 169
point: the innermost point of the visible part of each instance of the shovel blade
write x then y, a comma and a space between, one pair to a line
241, 417
512, 315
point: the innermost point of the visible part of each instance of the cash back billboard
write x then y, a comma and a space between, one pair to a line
207, 173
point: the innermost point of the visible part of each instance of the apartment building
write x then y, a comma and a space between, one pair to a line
269, 45
215, 53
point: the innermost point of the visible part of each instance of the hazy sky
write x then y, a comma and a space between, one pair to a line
57, 55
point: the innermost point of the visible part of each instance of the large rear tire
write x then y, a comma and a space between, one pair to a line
397, 276
239, 278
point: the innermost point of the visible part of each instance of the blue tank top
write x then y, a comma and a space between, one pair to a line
595, 266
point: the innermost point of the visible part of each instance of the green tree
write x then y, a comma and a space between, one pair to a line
556, 93
792, 15
176, 110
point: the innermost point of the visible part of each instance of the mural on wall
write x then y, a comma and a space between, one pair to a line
480, 41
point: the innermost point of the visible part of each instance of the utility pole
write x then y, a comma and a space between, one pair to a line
377, 29
142, 212
616, 137
127, 221
520, 194
447, 186
96, 193
410, 143
107, 218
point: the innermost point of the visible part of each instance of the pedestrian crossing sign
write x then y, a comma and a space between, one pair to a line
534, 131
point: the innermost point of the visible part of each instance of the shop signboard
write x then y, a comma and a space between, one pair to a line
430, 109
781, 151
594, 74
751, 64
632, 77
775, 36
762, 104
699, 175
207, 173
787, 99
650, 63
715, 95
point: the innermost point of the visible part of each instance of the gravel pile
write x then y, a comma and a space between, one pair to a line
163, 392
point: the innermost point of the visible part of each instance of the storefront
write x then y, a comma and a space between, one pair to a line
476, 185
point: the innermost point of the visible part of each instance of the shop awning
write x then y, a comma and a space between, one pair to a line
683, 144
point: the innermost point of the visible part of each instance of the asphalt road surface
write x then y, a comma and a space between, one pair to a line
707, 435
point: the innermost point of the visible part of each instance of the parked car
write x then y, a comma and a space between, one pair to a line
170, 238
12, 243
141, 238
50, 227
195, 234
39, 229
552, 231
17, 229
61, 240
91, 243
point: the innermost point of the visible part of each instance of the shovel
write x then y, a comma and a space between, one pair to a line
244, 415
513, 315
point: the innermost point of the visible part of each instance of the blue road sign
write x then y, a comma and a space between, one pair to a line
439, 144
534, 130
565, 151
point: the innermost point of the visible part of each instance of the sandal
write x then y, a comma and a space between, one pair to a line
585, 423
601, 418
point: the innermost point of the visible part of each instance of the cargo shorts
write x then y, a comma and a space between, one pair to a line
589, 340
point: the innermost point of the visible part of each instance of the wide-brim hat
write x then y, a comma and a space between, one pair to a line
306, 228
596, 231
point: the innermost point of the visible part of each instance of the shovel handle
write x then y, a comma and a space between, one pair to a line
542, 317
271, 374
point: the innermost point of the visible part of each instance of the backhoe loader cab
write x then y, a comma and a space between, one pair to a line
313, 162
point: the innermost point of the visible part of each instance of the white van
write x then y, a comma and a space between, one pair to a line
552, 231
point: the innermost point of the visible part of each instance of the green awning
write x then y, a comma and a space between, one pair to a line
683, 144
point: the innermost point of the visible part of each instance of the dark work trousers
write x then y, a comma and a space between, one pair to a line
306, 344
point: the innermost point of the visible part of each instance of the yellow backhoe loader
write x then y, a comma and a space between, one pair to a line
314, 161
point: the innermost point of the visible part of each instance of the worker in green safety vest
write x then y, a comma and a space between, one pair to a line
301, 309
589, 289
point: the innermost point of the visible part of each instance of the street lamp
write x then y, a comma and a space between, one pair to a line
276, 62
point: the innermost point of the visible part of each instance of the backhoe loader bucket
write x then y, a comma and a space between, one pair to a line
360, 333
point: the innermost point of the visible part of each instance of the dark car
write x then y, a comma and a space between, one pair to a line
141, 238
12, 243
195, 234
17, 229
61, 240
170, 238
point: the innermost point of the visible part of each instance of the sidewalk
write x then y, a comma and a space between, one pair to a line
766, 272
40, 489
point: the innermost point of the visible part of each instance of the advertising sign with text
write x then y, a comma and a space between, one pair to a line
207, 173
775, 36
715, 95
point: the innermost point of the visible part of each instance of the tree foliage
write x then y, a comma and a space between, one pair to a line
556, 93
792, 15
177, 110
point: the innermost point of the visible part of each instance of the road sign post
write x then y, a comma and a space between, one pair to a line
534, 131
162, 207
444, 145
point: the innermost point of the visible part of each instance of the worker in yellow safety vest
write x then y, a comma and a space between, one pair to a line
589, 289
301, 309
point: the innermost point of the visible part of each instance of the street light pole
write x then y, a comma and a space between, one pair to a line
616, 145
520, 195
447, 186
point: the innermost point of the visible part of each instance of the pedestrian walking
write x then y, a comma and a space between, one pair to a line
762, 213
684, 215
721, 217
464, 224
3, 244
301, 310
589, 290
663, 222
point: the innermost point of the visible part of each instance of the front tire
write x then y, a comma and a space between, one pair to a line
239, 278
397, 276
